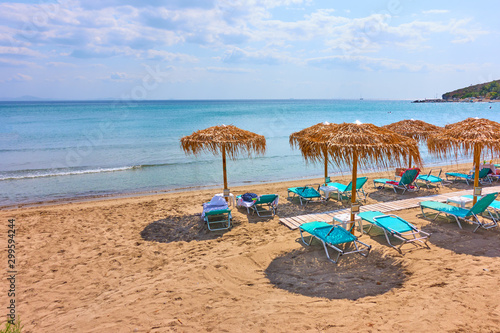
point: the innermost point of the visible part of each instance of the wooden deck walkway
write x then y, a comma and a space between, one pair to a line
384, 207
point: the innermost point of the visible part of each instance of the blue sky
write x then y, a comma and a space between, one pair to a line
246, 49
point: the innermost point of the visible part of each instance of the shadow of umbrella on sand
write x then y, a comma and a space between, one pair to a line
310, 133
418, 130
364, 144
227, 140
472, 135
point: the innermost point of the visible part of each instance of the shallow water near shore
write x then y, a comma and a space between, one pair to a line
60, 150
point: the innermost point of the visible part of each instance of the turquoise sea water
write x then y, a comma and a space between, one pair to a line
61, 150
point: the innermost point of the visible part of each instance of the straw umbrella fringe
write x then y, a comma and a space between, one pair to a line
469, 136
373, 146
304, 136
416, 129
227, 140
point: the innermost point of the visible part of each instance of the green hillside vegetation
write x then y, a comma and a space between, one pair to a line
489, 90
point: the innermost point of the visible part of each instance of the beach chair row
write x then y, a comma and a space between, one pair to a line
408, 182
217, 214
335, 237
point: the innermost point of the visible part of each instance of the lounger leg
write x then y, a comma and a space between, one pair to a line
303, 239
422, 209
389, 241
369, 229
458, 222
339, 252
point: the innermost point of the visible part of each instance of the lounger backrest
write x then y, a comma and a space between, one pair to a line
439, 174
349, 187
482, 204
360, 182
409, 176
266, 198
483, 172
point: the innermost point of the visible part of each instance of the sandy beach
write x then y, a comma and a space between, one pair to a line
149, 264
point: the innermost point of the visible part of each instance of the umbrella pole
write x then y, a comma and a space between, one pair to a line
477, 155
224, 169
353, 181
326, 163
409, 162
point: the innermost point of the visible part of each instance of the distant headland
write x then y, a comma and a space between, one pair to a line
484, 92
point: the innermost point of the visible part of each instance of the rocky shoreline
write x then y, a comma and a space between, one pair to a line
465, 100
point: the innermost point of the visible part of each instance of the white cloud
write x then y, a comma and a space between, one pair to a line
119, 76
61, 64
436, 11
16, 63
228, 70
169, 56
19, 77
19, 51
261, 57
365, 63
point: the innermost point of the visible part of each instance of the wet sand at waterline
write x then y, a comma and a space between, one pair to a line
149, 264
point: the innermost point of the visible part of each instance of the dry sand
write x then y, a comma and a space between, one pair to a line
148, 264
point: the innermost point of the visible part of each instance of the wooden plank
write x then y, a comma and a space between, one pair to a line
287, 222
323, 217
382, 207
296, 223
391, 204
308, 217
406, 205
301, 218
372, 207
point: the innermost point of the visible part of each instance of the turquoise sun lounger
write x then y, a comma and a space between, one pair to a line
221, 218
305, 194
268, 200
430, 179
469, 215
332, 236
346, 190
406, 183
483, 176
495, 205
395, 226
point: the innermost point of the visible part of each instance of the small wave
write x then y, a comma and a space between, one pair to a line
56, 172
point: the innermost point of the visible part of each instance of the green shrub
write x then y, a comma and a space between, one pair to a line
12, 328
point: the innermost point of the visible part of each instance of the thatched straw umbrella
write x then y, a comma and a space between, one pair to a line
418, 130
225, 139
471, 135
312, 133
363, 144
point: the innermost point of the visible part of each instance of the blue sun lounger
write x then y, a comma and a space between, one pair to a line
430, 179
332, 236
469, 215
269, 200
495, 205
483, 176
406, 183
305, 194
221, 217
346, 190
395, 226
